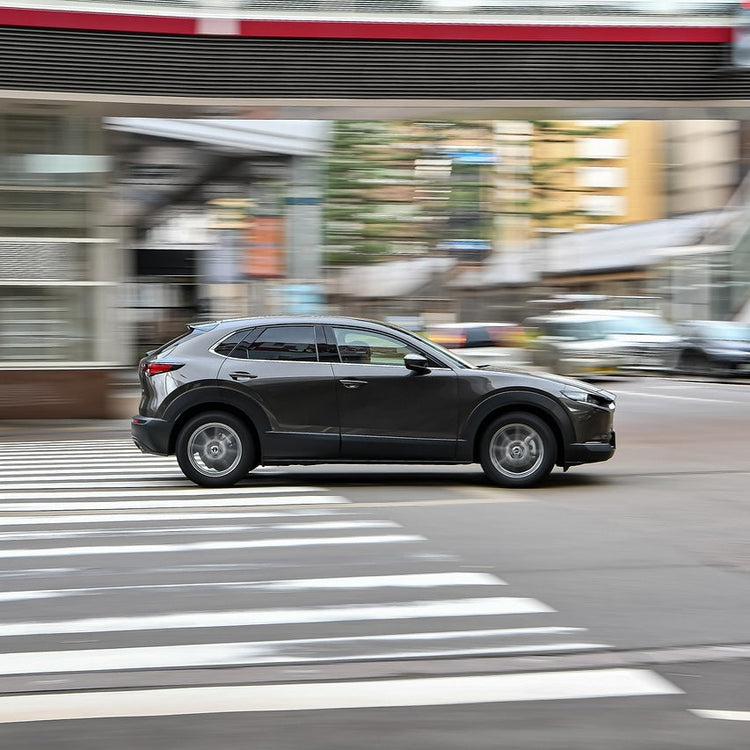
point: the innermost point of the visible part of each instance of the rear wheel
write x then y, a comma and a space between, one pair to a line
693, 362
517, 450
215, 449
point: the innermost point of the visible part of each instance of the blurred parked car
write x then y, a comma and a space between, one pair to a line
493, 344
576, 345
647, 342
714, 346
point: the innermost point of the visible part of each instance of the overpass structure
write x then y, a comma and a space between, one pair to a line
388, 59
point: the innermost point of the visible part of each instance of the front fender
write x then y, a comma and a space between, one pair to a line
513, 400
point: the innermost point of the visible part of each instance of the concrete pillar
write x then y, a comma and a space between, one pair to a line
304, 220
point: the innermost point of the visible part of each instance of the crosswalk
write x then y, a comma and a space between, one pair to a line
112, 561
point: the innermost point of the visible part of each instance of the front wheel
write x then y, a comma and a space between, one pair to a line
215, 449
517, 450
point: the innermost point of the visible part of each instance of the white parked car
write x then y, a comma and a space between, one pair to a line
648, 342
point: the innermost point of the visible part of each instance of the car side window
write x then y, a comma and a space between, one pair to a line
228, 346
281, 343
368, 347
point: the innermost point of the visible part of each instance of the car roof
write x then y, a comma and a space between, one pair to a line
291, 320
469, 325
614, 313
578, 316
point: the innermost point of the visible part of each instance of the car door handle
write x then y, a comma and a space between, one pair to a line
353, 383
241, 376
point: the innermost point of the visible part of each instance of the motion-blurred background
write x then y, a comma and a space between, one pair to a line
116, 231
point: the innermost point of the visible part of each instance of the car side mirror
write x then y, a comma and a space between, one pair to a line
416, 363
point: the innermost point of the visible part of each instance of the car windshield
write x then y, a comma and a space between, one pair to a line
579, 330
726, 331
441, 351
643, 325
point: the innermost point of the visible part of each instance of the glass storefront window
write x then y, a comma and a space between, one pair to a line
56, 261
45, 324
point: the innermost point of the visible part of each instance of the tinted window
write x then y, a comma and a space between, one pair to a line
226, 347
367, 347
476, 336
650, 326
726, 331
195, 330
578, 330
288, 343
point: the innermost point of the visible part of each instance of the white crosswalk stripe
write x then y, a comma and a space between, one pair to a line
431, 691
155, 573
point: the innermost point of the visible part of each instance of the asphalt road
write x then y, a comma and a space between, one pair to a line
419, 607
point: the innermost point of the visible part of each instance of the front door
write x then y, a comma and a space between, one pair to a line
386, 411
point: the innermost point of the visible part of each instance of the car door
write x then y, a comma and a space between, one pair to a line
386, 411
279, 368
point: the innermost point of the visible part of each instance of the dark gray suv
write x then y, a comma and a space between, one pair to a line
229, 396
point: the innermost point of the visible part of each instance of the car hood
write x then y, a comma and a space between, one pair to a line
544, 382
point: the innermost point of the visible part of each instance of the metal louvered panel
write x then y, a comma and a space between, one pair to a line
120, 63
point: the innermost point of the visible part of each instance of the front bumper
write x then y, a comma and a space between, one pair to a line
588, 453
151, 435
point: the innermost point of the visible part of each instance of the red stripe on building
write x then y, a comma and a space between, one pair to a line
63, 19
320, 29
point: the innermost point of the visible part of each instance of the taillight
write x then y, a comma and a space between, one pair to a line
156, 368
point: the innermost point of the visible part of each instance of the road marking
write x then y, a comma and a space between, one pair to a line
705, 713
325, 613
26, 459
408, 580
205, 501
66, 520
298, 651
28, 536
104, 443
502, 498
143, 549
430, 691
181, 492
679, 398
110, 481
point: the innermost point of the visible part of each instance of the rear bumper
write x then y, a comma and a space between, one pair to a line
588, 453
151, 435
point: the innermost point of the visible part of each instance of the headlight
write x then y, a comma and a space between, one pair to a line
579, 396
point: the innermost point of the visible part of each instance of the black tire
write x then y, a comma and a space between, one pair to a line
693, 362
517, 450
215, 449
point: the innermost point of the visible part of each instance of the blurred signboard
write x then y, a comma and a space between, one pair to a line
264, 254
469, 156
466, 248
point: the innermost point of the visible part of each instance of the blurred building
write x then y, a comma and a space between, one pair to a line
60, 265
558, 176
114, 234
623, 208
703, 163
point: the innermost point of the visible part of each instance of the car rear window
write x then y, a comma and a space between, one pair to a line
193, 332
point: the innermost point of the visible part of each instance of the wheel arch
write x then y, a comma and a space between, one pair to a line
532, 402
207, 399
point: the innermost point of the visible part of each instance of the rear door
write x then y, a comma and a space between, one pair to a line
279, 368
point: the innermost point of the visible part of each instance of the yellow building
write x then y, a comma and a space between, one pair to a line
558, 176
